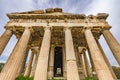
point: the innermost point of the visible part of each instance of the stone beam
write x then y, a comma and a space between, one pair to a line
60, 24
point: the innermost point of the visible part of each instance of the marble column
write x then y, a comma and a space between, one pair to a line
36, 49
84, 73
77, 56
9, 60
29, 65
4, 39
82, 69
64, 63
84, 65
113, 44
102, 70
91, 62
42, 64
34, 65
51, 63
23, 62
72, 69
87, 66
19, 52
106, 60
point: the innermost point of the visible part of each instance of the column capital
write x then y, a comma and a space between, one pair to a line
104, 30
47, 28
88, 28
81, 49
35, 49
8, 28
29, 28
67, 28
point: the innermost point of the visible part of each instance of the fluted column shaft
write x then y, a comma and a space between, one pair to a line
29, 65
23, 62
91, 62
87, 66
42, 65
34, 65
113, 44
4, 39
72, 70
84, 65
19, 52
101, 67
64, 63
35, 62
51, 63
106, 60
9, 60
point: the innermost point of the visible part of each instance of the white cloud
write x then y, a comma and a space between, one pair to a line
111, 7
7, 6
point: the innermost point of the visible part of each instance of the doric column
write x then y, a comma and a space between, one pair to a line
19, 52
42, 65
82, 66
72, 70
101, 67
23, 62
83, 72
87, 66
77, 56
4, 39
113, 44
29, 65
91, 62
51, 63
106, 60
34, 63
9, 60
33, 66
64, 63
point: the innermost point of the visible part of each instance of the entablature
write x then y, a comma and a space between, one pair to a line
58, 21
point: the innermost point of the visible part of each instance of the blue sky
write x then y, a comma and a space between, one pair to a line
74, 6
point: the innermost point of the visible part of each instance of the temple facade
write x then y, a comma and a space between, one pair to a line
58, 42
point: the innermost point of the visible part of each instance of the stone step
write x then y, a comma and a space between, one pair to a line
58, 78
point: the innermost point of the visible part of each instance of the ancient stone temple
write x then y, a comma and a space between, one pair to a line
58, 42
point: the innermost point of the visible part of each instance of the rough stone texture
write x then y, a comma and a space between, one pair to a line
41, 70
51, 63
19, 52
57, 36
34, 65
4, 39
106, 60
70, 57
113, 44
23, 62
102, 16
100, 65
87, 66
29, 65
